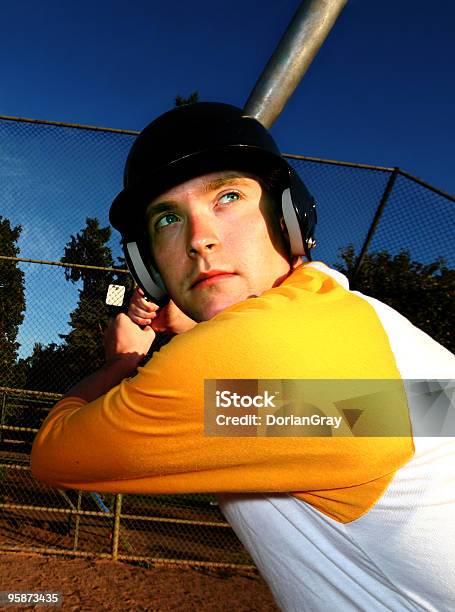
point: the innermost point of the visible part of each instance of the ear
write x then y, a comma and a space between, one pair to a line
296, 261
284, 229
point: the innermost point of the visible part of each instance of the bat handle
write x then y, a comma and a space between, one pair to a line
292, 57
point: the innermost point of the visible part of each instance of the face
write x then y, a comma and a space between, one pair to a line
216, 242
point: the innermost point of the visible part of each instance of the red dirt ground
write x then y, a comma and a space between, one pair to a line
93, 585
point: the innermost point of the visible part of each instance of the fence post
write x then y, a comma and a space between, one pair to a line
2, 419
374, 224
78, 520
116, 526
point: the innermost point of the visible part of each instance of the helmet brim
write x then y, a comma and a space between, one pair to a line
253, 160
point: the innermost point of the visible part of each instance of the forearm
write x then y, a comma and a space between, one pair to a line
125, 344
107, 377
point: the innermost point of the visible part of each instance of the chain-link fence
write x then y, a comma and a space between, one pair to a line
391, 233
159, 529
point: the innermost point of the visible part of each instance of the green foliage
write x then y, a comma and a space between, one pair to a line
57, 367
88, 248
12, 303
191, 99
84, 348
44, 369
423, 293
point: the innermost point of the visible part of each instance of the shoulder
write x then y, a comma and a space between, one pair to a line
309, 326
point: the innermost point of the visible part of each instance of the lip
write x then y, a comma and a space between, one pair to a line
205, 279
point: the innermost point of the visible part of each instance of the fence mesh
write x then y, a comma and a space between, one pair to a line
392, 235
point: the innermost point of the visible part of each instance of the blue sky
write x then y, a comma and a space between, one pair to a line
381, 90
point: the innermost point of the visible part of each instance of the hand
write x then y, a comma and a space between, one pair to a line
168, 319
123, 339
125, 345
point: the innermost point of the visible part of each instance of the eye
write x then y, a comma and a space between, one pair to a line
227, 198
165, 220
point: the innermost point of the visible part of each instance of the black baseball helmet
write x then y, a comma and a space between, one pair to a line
190, 141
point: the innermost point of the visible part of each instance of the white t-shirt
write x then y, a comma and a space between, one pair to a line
400, 555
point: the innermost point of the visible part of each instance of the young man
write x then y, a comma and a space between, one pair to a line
212, 216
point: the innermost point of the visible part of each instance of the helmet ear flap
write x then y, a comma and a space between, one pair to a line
143, 271
299, 214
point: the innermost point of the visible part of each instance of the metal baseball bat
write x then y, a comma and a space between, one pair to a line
292, 57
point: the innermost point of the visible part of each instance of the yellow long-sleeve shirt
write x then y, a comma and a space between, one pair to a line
147, 434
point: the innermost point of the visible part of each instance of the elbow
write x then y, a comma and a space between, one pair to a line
44, 465
38, 467
49, 452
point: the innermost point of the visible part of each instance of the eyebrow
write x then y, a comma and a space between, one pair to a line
167, 205
225, 180
158, 207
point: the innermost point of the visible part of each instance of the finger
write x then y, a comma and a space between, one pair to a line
158, 327
138, 296
141, 321
138, 311
143, 304
141, 317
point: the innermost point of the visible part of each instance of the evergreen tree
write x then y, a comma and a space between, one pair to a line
57, 367
12, 303
423, 293
88, 248
191, 99
123, 279
45, 369
84, 344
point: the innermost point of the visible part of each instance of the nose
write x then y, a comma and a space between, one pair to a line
203, 236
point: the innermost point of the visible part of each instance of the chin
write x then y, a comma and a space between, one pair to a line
211, 310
